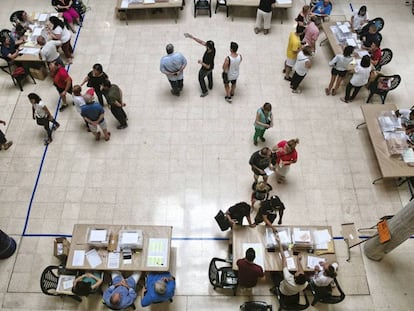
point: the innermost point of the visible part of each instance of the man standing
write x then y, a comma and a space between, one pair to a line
249, 272
121, 294
113, 95
62, 82
48, 51
207, 64
94, 114
259, 161
172, 65
231, 71
294, 46
264, 15
4, 144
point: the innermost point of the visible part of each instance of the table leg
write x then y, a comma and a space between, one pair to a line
361, 124
378, 179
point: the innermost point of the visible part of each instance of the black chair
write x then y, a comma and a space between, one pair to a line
222, 275
394, 81
222, 3
291, 303
202, 5
378, 22
255, 306
10, 67
386, 57
324, 294
49, 283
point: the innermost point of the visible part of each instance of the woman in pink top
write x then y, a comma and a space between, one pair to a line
286, 155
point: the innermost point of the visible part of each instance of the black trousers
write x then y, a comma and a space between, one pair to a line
119, 114
177, 86
296, 80
3, 139
348, 90
99, 95
45, 123
201, 78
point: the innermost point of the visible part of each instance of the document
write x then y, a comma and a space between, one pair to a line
314, 261
129, 238
78, 258
344, 28
113, 260
157, 252
268, 171
362, 53
258, 248
284, 1
321, 238
42, 17
124, 4
284, 237
97, 235
65, 283
93, 258
290, 263
37, 31
351, 42
31, 51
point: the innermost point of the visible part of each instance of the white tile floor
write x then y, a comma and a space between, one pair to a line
182, 159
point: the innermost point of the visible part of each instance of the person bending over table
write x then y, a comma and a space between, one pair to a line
159, 287
268, 210
237, 212
121, 294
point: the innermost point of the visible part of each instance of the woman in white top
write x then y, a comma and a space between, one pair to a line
302, 65
42, 115
358, 80
59, 31
339, 66
359, 19
324, 277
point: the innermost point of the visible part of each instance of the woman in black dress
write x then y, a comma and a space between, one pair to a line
94, 79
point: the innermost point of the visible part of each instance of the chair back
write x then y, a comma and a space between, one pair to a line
49, 280
290, 302
324, 294
386, 57
222, 276
213, 274
255, 306
395, 82
202, 5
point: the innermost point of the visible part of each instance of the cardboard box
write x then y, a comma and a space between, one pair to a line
61, 248
39, 73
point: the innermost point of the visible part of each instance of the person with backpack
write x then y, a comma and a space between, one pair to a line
268, 210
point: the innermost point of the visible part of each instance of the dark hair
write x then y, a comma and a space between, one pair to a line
376, 42
234, 46
20, 30
273, 202
348, 50
250, 254
98, 67
210, 44
106, 83
300, 279
330, 272
82, 288
241, 205
56, 22
34, 96
169, 48
268, 105
300, 29
19, 15
366, 61
362, 9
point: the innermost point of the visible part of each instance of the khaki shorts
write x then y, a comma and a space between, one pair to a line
94, 128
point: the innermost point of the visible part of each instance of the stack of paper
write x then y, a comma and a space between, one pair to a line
321, 238
302, 238
314, 261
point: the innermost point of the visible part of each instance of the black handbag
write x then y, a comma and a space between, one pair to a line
42, 121
222, 221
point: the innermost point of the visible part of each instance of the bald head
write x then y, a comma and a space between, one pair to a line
41, 40
115, 299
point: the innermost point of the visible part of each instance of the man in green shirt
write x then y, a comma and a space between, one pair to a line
113, 95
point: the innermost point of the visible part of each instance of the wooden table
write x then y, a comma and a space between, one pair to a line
121, 9
139, 258
390, 167
255, 3
272, 260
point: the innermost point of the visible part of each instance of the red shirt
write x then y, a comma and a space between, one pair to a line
61, 78
376, 55
282, 155
249, 272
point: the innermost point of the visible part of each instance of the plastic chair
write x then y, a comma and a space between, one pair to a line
222, 3
222, 275
377, 21
386, 57
255, 306
373, 88
9, 67
202, 5
49, 282
290, 302
324, 294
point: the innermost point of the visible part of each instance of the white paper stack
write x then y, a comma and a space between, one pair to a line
302, 238
321, 238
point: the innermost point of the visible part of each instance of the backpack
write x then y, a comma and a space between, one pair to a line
80, 7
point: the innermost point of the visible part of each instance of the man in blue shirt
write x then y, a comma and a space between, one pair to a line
121, 294
172, 65
159, 287
93, 113
322, 8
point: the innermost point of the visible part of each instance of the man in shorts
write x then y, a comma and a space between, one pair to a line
62, 81
94, 114
231, 71
294, 46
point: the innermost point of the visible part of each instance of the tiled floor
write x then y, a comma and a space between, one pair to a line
182, 159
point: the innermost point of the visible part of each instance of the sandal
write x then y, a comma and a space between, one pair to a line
333, 92
108, 137
327, 91
98, 136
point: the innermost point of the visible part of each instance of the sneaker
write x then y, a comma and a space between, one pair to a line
297, 91
108, 137
262, 139
7, 145
47, 141
63, 107
121, 127
228, 99
255, 143
175, 93
98, 136
266, 31
333, 92
256, 30
288, 78
55, 127
344, 100
204, 94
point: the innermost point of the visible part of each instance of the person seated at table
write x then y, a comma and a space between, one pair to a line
48, 50
69, 13
370, 37
379, 86
249, 272
159, 287
324, 274
22, 18
121, 294
18, 32
58, 31
376, 53
237, 212
359, 19
268, 210
87, 283
404, 115
291, 284
9, 47
322, 9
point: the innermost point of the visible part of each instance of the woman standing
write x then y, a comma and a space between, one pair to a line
302, 65
339, 65
358, 80
264, 120
359, 19
286, 155
59, 32
95, 79
69, 13
42, 115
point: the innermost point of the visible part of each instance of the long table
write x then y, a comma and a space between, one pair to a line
142, 260
281, 4
271, 259
123, 7
390, 167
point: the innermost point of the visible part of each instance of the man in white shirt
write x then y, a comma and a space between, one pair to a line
48, 51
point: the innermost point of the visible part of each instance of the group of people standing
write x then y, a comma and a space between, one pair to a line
174, 63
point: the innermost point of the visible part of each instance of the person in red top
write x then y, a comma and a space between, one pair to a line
62, 81
375, 53
286, 155
249, 272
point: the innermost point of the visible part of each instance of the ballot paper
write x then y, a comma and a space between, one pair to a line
113, 260
31, 51
93, 258
97, 235
78, 258
37, 31
314, 261
268, 171
290, 263
42, 17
